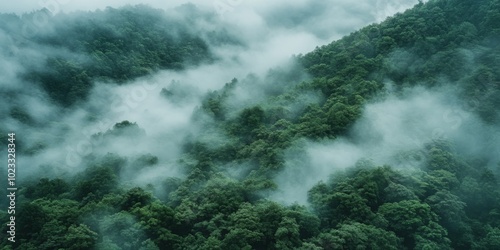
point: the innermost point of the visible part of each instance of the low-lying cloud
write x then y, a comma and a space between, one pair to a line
60, 140
397, 125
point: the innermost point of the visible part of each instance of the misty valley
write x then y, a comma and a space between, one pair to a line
252, 125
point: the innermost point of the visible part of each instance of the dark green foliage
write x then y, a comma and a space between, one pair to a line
46, 188
409, 219
117, 48
80, 237
65, 80
424, 209
125, 128
31, 220
134, 198
146, 160
357, 236
21, 115
95, 182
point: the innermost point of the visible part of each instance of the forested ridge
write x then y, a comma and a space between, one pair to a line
115, 47
436, 197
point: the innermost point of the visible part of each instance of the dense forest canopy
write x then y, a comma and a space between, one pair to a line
387, 138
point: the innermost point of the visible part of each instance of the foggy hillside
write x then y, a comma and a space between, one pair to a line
250, 125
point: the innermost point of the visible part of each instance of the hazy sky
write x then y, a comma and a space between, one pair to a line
384, 7
319, 17
277, 29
